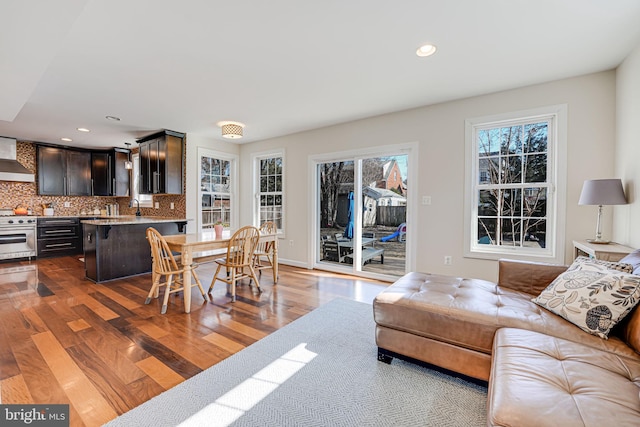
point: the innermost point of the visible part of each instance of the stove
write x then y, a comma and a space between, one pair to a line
17, 220
17, 236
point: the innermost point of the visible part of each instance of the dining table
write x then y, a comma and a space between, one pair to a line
194, 247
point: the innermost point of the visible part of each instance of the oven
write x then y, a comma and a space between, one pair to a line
17, 237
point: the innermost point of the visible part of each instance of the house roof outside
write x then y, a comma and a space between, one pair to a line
379, 193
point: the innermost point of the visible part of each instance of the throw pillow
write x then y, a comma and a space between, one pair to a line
625, 267
634, 259
591, 296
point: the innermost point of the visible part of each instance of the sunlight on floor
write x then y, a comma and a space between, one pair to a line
233, 404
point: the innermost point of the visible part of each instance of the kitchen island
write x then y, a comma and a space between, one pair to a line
117, 247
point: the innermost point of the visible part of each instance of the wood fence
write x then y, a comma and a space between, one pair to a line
391, 215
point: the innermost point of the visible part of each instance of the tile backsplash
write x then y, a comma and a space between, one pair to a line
13, 194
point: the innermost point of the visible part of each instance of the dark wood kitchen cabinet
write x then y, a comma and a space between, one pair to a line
63, 172
109, 177
161, 163
58, 236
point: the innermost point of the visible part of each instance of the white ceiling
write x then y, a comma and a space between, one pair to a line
280, 66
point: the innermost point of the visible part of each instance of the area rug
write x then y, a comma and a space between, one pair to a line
320, 370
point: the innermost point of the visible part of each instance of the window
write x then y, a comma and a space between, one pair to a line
270, 189
512, 207
215, 191
145, 200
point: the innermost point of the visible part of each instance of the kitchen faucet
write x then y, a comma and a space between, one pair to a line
138, 213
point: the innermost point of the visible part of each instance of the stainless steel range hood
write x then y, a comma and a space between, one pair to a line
10, 168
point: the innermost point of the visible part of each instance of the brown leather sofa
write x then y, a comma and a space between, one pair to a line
541, 369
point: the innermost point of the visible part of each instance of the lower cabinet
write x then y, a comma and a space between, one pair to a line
115, 251
59, 236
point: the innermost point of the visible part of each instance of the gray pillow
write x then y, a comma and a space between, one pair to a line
634, 259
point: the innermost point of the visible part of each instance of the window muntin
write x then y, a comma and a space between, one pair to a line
511, 188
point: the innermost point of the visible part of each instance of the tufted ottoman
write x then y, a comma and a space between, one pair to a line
539, 380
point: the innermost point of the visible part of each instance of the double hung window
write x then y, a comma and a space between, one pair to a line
512, 205
270, 189
216, 190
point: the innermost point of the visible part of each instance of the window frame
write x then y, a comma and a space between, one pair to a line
555, 185
257, 158
233, 176
145, 200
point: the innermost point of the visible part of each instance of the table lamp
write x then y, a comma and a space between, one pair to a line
602, 192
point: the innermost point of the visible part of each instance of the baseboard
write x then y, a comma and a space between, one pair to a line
293, 263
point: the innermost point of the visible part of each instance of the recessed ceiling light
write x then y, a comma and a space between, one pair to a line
66, 139
83, 130
426, 50
114, 118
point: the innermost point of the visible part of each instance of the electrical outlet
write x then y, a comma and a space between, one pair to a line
173, 206
447, 260
426, 200
157, 205
67, 204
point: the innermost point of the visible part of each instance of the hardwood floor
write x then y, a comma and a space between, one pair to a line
99, 348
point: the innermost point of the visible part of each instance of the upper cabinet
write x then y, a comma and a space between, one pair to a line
109, 177
63, 172
161, 163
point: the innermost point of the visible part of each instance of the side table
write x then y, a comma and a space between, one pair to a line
606, 252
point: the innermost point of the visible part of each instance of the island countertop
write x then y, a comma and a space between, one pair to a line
132, 219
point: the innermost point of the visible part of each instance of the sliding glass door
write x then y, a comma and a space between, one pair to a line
362, 203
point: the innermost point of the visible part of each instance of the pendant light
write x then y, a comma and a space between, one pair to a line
128, 164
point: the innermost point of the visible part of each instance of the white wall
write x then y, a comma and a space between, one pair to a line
627, 217
439, 130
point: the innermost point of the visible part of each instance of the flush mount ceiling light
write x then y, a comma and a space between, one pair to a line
426, 50
83, 129
114, 118
66, 139
231, 130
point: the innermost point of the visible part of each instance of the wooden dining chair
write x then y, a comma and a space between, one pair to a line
265, 251
238, 261
165, 265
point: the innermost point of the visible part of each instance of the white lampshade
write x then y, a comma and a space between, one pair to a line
602, 192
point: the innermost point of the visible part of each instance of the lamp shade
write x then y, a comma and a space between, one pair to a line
602, 192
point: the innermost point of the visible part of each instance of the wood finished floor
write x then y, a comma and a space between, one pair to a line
99, 348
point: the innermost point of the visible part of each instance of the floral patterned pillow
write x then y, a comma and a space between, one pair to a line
591, 296
620, 266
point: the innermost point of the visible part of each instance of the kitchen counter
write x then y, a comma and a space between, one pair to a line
130, 219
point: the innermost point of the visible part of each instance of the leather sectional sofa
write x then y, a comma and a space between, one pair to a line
541, 369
